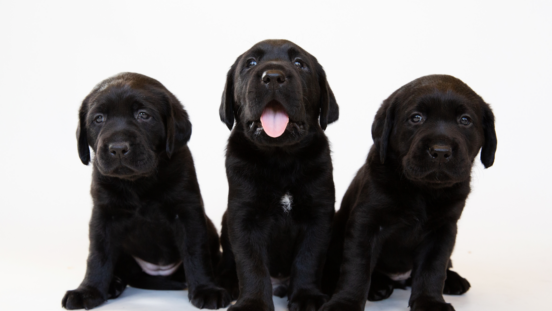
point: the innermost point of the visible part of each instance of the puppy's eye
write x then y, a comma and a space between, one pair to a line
251, 63
465, 120
143, 115
299, 64
416, 118
99, 118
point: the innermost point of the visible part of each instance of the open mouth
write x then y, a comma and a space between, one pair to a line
274, 119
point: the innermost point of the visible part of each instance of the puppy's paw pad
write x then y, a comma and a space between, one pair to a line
455, 284
210, 298
307, 302
86, 298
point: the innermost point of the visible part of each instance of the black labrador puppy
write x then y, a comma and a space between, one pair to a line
397, 222
148, 228
281, 197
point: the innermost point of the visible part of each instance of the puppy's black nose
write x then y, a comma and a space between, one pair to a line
440, 153
119, 149
273, 76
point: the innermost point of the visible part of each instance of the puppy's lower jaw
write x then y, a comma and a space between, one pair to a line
256, 127
157, 270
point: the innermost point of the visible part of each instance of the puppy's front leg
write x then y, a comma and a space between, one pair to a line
192, 238
306, 273
362, 246
248, 236
102, 256
430, 269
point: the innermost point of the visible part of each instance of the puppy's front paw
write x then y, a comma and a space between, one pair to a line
431, 306
251, 305
336, 304
307, 302
82, 298
455, 284
211, 297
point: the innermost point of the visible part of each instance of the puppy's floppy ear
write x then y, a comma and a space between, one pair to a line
82, 135
226, 109
329, 110
489, 147
382, 126
179, 127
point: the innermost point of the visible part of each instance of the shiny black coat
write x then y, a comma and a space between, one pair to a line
261, 238
397, 222
147, 202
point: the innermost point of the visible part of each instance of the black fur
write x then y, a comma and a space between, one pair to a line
401, 209
147, 202
259, 237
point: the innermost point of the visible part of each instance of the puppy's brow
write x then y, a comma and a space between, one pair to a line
257, 53
461, 108
293, 52
96, 106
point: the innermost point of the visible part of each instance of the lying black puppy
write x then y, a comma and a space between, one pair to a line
398, 217
281, 197
148, 227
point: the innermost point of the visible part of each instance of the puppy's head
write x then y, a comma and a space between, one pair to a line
434, 127
130, 121
277, 92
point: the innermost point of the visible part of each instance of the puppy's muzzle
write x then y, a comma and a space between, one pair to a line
440, 153
119, 150
273, 78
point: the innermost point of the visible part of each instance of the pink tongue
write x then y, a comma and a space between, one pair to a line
274, 121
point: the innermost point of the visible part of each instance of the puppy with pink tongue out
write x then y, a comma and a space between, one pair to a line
275, 232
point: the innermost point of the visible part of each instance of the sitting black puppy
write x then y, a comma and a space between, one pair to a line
281, 197
148, 227
398, 218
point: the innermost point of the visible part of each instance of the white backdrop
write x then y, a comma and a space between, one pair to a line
53, 53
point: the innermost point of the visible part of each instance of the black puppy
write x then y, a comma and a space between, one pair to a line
397, 221
148, 227
278, 164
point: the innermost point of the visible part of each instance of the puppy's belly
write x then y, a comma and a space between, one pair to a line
400, 276
157, 270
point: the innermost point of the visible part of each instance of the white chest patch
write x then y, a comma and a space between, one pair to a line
153, 269
400, 276
286, 201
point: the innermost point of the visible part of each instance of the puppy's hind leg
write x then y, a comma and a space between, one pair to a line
116, 288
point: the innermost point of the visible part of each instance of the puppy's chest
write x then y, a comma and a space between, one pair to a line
420, 215
285, 203
150, 211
